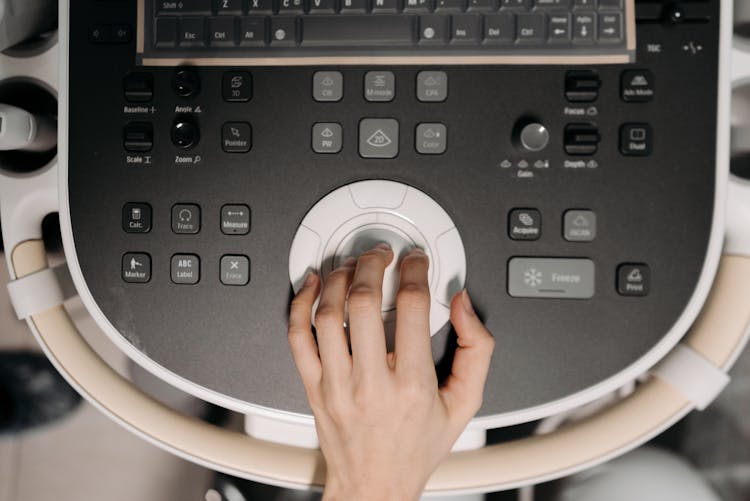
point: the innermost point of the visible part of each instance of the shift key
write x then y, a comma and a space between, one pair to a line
355, 30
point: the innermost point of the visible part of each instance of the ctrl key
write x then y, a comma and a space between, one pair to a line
136, 267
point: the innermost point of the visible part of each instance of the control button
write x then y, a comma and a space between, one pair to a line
185, 269
166, 32
136, 218
432, 86
327, 138
186, 218
378, 138
581, 139
136, 267
579, 226
237, 86
235, 219
533, 137
138, 136
186, 83
138, 87
221, 32
236, 137
636, 140
633, 280
235, 270
431, 138
191, 32
530, 28
328, 86
582, 86
637, 86
380, 86
610, 27
525, 224
551, 278
185, 134
584, 27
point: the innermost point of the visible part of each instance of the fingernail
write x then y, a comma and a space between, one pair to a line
466, 300
417, 250
383, 246
309, 279
349, 262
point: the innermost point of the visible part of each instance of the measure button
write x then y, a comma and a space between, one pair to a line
235, 219
551, 278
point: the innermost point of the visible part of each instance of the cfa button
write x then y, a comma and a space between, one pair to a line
524, 224
136, 267
185, 269
633, 279
236, 137
235, 270
235, 219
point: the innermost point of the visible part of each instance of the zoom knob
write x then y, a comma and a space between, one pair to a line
185, 134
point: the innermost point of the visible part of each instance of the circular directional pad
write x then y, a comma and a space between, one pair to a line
354, 218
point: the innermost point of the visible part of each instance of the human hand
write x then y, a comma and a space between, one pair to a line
383, 422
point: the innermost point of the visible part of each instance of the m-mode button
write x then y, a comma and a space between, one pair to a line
551, 278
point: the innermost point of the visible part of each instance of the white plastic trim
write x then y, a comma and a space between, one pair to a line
738, 218
41, 291
594, 392
692, 375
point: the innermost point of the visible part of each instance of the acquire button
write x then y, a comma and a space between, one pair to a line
551, 278
524, 224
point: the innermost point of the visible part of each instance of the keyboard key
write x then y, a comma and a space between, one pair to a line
610, 4
283, 31
379, 6
322, 6
356, 30
166, 32
192, 32
353, 6
252, 31
290, 7
433, 29
483, 5
259, 7
221, 32
583, 27
610, 27
229, 7
450, 5
418, 5
499, 28
559, 28
584, 4
531, 28
183, 7
466, 28
553, 4
515, 4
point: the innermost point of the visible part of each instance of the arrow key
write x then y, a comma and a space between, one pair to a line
610, 27
559, 28
583, 27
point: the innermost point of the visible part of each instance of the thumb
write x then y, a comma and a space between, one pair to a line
464, 388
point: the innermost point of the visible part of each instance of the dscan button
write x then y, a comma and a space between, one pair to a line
136, 218
579, 226
136, 267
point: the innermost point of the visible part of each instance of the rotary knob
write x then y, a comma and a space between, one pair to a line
533, 136
185, 134
186, 83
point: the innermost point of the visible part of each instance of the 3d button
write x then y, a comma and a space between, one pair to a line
637, 86
636, 140
432, 86
327, 138
633, 279
579, 226
235, 270
136, 218
431, 138
551, 278
235, 219
524, 224
237, 86
378, 138
328, 86
136, 267
236, 137
186, 219
380, 86
185, 269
